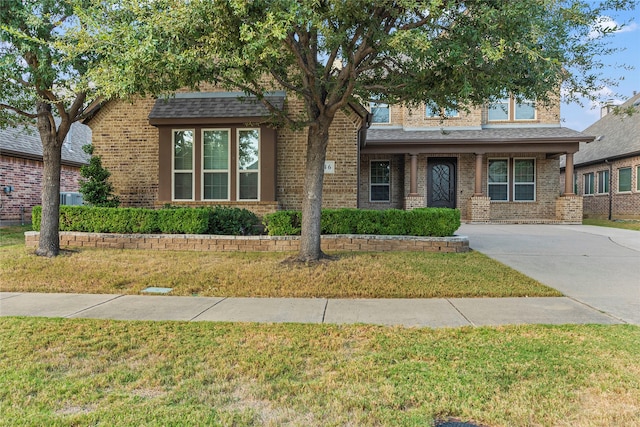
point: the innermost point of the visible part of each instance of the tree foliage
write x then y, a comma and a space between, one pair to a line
41, 83
328, 53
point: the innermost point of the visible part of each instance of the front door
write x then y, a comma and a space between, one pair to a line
441, 183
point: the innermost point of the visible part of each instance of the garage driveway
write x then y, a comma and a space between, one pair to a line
597, 266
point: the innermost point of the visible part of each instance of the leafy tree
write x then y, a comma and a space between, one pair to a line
41, 84
447, 53
95, 188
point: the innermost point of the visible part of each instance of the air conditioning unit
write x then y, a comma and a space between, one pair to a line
71, 198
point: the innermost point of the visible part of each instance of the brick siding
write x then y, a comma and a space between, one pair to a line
25, 176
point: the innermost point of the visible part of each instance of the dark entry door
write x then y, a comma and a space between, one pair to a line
441, 183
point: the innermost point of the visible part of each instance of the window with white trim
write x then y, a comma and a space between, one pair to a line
498, 179
603, 182
380, 181
182, 164
248, 164
525, 110
216, 158
524, 180
587, 179
380, 113
499, 110
508, 109
624, 180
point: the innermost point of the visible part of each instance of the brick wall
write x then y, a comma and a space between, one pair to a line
128, 146
624, 205
25, 176
366, 243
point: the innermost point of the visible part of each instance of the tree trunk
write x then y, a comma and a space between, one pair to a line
49, 244
317, 141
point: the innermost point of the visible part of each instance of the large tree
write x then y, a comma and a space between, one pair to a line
447, 53
40, 84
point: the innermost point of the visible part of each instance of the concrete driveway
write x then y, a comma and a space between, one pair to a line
597, 266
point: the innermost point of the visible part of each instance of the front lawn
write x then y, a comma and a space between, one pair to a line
625, 224
62, 372
352, 275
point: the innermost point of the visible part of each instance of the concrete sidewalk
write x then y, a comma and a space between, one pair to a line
434, 313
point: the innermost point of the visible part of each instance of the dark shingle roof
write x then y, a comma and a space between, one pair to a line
213, 104
616, 135
514, 134
26, 143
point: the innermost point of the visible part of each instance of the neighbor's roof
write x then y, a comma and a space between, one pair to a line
616, 135
214, 105
23, 143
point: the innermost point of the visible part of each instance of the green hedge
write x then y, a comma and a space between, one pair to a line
176, 220
437, 222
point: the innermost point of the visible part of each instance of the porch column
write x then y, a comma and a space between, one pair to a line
568, 175
413, 183
478, 184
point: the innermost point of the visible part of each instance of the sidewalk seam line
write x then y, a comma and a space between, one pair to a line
324, 312
596, 309
461, 313
207, 309
93, 306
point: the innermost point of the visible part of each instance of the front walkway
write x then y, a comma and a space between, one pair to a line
597, 266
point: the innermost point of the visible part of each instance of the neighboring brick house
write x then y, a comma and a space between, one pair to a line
498, 163
21, 169
607, 170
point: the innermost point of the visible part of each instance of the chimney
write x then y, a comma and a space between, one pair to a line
607, 108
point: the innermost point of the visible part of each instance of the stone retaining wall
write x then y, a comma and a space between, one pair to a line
189, 242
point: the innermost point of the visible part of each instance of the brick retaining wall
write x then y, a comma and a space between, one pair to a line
189, 242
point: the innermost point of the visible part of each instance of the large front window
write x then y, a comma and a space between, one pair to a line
248, 164
498, 184
215, 164
183, 164
524, 180
380, 181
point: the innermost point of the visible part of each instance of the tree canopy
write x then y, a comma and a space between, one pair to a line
446, 53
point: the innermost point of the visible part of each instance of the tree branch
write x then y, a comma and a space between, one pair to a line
18, 110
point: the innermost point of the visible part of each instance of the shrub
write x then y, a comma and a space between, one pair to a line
232, 221
183, 221
418, 222
95, 187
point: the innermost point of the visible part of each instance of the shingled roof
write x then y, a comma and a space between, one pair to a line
23, 143
617, 136
214, 105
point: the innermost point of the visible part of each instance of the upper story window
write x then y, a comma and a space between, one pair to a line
509, 109
435, 112
381, 113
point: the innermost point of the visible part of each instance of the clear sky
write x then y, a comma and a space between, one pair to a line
579, 117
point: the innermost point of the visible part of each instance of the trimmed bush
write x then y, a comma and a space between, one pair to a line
176, 220
437, 222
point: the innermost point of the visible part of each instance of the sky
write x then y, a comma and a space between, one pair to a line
627, 39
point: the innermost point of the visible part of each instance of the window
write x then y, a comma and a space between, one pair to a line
435, 112
182, 165
380, 173
524, 180
215, 164
509, 109
624, 180
603, 182
588, 183
248, 164
498, 176
380, 113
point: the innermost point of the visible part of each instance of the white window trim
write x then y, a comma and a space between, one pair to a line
228, 170
174, 170
515, 105
584, 183
511, 110
500, 101
598, 190
535, 186
238, 171
371, 184
630, 180
500, 183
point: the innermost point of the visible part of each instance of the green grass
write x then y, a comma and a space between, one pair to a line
61, 372
13, 235
352, 275
625, 224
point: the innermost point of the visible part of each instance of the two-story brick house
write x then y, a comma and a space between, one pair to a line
497, 163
